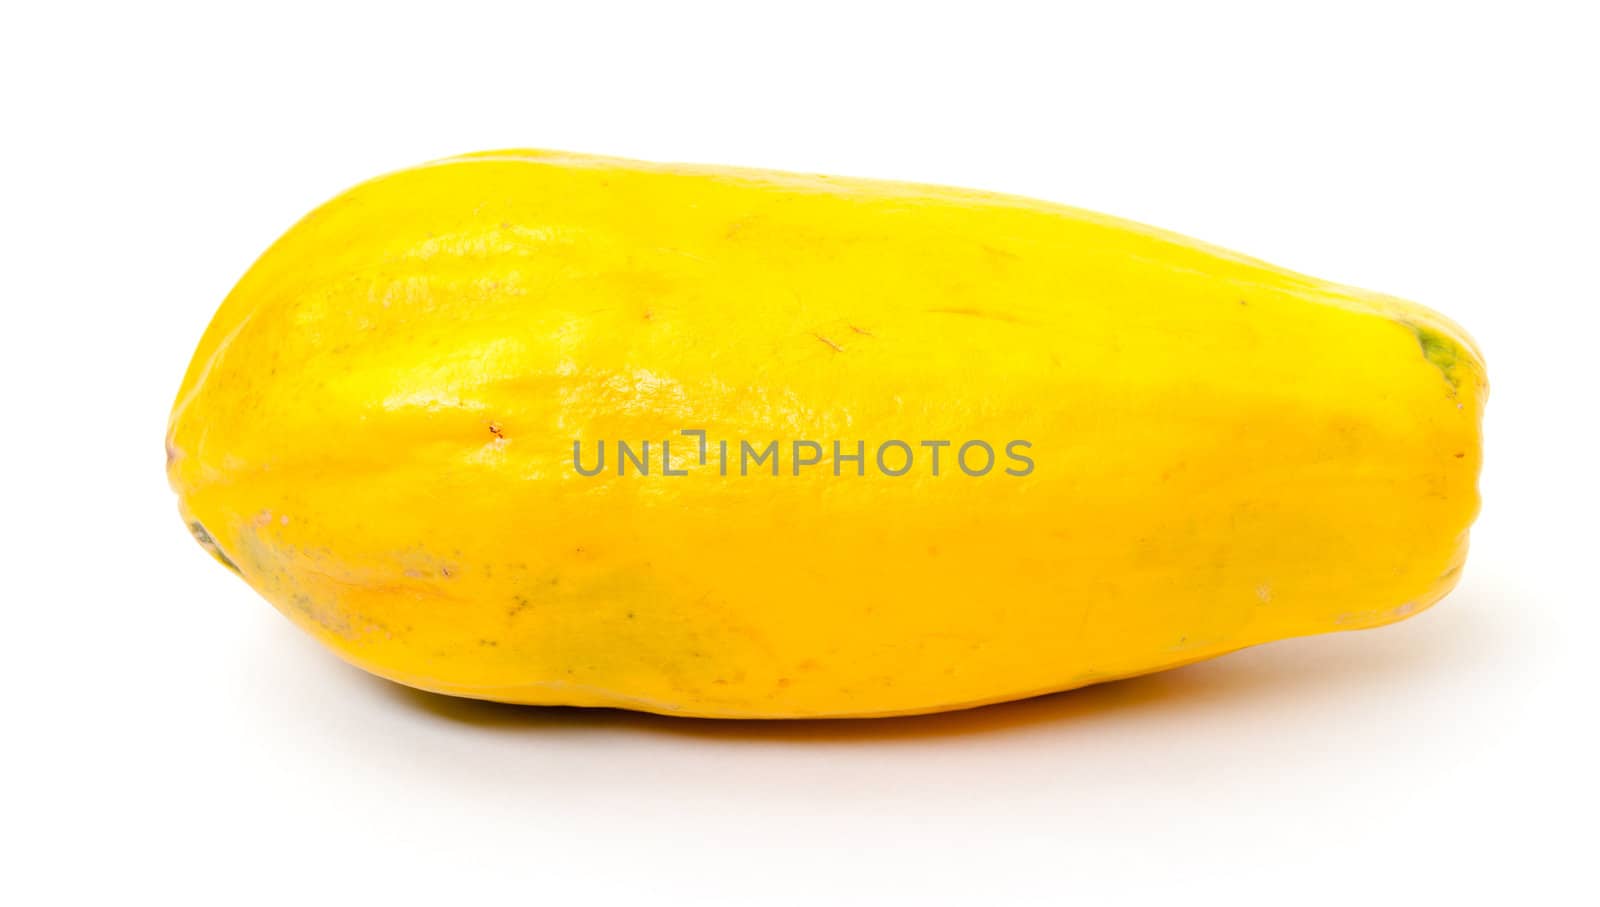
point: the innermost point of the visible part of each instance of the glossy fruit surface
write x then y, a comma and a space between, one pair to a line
1191, 451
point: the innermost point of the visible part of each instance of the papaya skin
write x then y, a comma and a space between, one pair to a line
377, 429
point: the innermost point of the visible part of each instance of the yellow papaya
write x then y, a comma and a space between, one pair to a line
548, 428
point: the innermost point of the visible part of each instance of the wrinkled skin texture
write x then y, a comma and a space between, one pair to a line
377, 433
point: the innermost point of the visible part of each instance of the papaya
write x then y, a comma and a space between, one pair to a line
547, 428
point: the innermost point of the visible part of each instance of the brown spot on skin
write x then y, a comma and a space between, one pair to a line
444, 572
1461, 454
648, 314
836, 347
783, 682
861, 330
496, 430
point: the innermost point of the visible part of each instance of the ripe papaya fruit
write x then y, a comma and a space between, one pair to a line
547, 428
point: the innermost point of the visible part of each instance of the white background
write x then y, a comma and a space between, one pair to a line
168, 733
